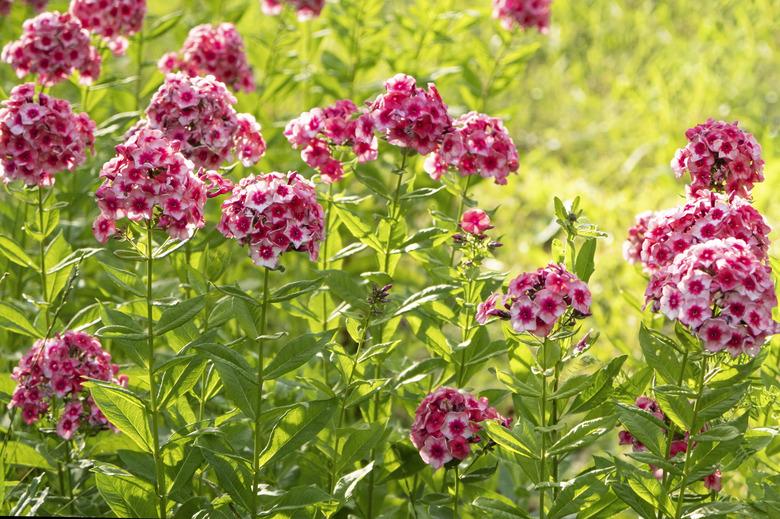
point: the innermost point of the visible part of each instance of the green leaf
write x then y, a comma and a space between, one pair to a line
643, 426
357, 228
346, 485
124, 410
422, 297
582, 434
720, 432
14, 252
715, 402
627, 495
660, 354
498, 509
585, 265
18, 453
296, 427
296, 353
297, 498
127, 495
179, 314
295, 289
13, 320
599, 387
236, 376
233, 476
508, 440
675, 404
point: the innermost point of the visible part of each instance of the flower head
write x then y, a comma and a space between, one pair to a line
41, 136
306, 9
720, 156
721, 291
113, 20
409, 116
475, 221
446, 424
536, 301
198, 113
216, 50
52, 46
272, 214
150, 179
320, 132
55, 370
478, 145
526, 14
658, 238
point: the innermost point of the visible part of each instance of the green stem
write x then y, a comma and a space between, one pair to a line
461, 205
553, 423
456, 494
259, 401
42, 257
160, 486
139, 69
666, 481
487, 87
325, 253
393, 212
689, 446
465, 331
68, 481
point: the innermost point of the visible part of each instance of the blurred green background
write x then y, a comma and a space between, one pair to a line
597, 108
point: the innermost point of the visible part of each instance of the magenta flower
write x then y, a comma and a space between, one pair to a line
658, 238
113, 20
409, 116
52, 46
216, 50
321, 132
475, 221
305, 9
272, 214
41, 136
721, 291
713, 481
446, 424
150, 179
478, 145
55, 370
536, 301
526, 14
720, 156
198, 113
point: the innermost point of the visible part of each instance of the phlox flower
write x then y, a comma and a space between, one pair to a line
526, 14
52, 46
409, 116
475, 221
721, 291
150, 179
305, 9
54, 370
720, 156
446, 424
536, 301
216, 50
113, 20
274, 213
198, 113
41, 136
321, 132
477, 145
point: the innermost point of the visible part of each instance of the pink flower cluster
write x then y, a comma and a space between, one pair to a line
54, 371
409, 116
272, 214
36, 5
446, 424
478, 145
217, 50
678, 446
720, 157
52, 46
198, 113
721, 292
320, 131
41, 136
536, 300
306, 9
657, 238
149, 178
527, 14
114, 20
475, 221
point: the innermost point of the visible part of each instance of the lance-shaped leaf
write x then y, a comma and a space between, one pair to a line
13, 320
14, 252
499, 509
345, 486
124, 410
296, 353
507, 439
296, 427
582, 434
675, 404
179, 314
715, 402
126, 495
643, 426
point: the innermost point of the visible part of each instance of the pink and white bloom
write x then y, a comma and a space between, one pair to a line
446, 424
305, 9
216, 50
525, 14
274, 213
54, 370
113, 20
53, 46
41, 136
475, 221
